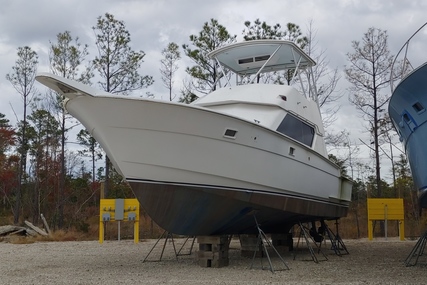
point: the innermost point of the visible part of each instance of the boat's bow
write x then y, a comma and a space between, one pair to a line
67, 87
407, 110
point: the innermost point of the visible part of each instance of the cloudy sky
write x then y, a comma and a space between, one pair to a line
153, 24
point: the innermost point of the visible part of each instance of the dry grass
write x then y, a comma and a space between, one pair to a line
147, 229
350, 227
19, 239
59, 235
6, 220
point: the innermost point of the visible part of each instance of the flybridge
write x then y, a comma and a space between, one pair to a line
252, 58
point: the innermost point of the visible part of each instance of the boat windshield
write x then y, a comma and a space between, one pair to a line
297, 129
409, 58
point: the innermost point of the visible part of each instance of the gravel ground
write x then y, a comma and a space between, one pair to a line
120, 262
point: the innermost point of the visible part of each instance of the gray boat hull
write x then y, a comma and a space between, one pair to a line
208, 210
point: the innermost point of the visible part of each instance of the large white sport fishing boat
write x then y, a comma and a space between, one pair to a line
245, 149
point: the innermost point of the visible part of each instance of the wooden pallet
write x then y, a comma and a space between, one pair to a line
213, 251
249, 244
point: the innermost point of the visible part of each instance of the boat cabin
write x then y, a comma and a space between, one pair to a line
254, 96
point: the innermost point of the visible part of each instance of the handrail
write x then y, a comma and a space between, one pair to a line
405, 59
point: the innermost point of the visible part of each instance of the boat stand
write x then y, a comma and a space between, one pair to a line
191, 247
165, 235
337, 244
264, 241
307, 237
417, 251
213, 250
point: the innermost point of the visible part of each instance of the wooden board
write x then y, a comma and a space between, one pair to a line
36, 229
5, 230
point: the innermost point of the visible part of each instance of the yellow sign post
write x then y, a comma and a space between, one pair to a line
119, 210
386, 209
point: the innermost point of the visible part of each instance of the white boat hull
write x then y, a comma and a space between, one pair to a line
182, 168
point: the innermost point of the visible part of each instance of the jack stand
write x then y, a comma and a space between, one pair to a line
417, 251
167, 235
191, 248
263, 240
337, 244
338, 239
307, 238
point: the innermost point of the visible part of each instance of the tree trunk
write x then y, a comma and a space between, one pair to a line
62, 177
377, 148
22, 167
107, 176
17, 206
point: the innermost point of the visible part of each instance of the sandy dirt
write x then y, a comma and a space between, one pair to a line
120, 262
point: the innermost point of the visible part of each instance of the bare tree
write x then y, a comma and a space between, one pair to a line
65, 57
388, 138
325, 79
369, 72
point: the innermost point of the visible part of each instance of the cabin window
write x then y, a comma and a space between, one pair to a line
262, 58
406, 118
418, 107
229, 133
253, 59
292, 127
246, 60
409, 120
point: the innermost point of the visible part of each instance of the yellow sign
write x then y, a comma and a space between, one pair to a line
119, 210
385, 209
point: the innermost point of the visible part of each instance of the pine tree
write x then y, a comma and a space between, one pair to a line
368, 73
206, 73
117, 64
22, 78
169, 66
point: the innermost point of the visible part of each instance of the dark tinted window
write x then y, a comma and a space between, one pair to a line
296, 129
406, 117
230, 133
246, 60
418, 107
262, 58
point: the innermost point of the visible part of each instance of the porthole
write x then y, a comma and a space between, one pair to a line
230, 133
406, 118
418, 107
